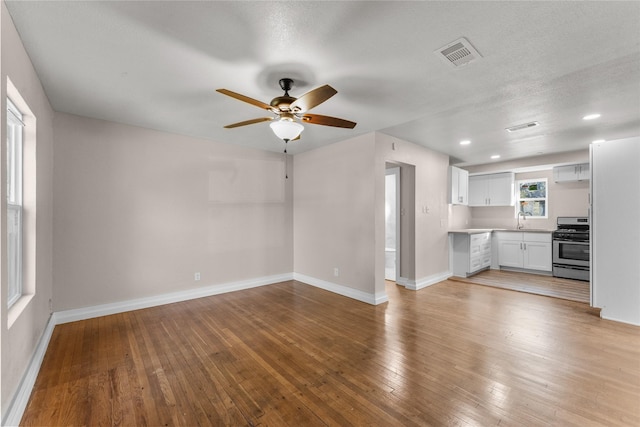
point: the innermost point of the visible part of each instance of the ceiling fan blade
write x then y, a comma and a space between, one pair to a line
312, 98
318, 119
241, 97
249, 122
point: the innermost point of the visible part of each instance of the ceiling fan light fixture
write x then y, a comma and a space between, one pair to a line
286, 129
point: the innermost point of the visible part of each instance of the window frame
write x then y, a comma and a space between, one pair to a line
15, 178
521, 201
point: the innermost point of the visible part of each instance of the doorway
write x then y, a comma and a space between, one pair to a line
392, 223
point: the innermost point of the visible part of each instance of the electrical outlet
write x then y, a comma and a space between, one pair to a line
196, 276
336, 271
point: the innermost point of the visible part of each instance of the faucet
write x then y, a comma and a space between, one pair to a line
524, 217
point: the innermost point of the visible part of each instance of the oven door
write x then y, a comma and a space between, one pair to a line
571, 253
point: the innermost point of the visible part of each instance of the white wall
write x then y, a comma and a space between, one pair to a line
334, 213
430, 256
18, 342
339, 215
137, 212
459, 217
615, 235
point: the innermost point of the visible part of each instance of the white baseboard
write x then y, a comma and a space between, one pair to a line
136, 304
604, 315
407, 283
416, 285
373, 299
19, 402
21, 398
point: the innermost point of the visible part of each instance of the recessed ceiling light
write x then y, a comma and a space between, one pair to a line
495, 156
597, 141
465, 142
591, 116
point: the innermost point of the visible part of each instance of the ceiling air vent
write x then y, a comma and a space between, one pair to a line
458, 53
522, 126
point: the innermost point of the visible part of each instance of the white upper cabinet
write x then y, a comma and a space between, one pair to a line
458, 186
492, 190
571, 173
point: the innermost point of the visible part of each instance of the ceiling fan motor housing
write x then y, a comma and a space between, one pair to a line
282, 102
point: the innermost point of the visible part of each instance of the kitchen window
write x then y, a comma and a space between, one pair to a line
532, 198
15, 126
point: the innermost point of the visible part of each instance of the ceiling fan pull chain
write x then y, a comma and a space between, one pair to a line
286, 175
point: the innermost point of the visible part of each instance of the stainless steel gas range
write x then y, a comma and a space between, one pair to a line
571, 258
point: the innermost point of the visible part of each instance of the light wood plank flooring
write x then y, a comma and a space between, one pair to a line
290, 354
572, 290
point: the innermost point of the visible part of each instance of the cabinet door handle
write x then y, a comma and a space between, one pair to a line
525, 246
520, 246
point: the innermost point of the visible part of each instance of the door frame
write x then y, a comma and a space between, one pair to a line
395, 170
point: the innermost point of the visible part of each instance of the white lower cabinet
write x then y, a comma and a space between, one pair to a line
530, 251
470, 253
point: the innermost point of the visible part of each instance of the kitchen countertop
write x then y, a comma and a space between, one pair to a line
488, 230
472, 230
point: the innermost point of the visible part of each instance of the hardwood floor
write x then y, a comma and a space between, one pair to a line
291, 354
572, 290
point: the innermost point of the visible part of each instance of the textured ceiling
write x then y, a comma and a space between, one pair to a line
157, 65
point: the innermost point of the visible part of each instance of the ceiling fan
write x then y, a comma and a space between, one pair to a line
289, 111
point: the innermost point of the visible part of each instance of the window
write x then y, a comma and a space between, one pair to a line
532, 198
14, 202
